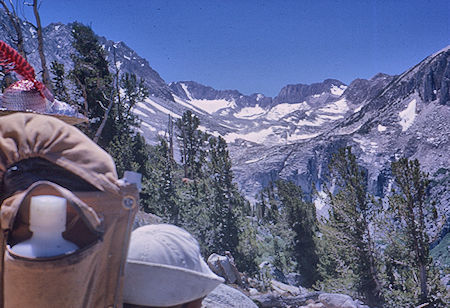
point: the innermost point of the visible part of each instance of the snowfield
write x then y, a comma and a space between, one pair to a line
284, 109
335, 90
161, 108
339, 106
259, 137
407, 116
250, 113
145, 107
210, 106
381, 128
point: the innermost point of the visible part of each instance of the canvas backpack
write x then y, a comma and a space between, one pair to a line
100, 215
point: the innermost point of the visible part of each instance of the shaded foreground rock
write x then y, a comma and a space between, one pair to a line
227, 297
285, 289
143, 219
224, 267
276, 300
333, 300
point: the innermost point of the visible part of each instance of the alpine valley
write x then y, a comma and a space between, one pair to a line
293, 135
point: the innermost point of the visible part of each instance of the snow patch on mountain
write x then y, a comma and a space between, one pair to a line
209, 105
357, 109
259, 137
33, 32
319, 199
148, 126
250, 113
205, 129
335, 90
296, 137
381, 128
162, 109
281, 110
185, 104
366, 145
254, 160
339, 106
186, 90
214, 105
145, 107
330, 117
316, 122
408, 115
139, 113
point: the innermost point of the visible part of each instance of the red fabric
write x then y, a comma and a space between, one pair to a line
10, 58
13, 61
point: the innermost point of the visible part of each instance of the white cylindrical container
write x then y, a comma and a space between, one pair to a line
47, 222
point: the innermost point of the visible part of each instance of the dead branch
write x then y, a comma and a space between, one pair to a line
45, 74
12, 15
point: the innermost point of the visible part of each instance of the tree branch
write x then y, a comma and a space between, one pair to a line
45, 75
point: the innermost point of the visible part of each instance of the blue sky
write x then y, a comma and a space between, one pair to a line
258, 46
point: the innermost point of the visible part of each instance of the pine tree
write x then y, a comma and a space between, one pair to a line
91, 75
226, 206
412, 213
347, 232
300, 216
153, 180
123, 142
191, 142
59, 87
268, 206
273, 214
168, 194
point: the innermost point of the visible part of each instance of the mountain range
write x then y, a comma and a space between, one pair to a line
294, 134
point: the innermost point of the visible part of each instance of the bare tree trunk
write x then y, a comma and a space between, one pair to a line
423, 282
105, 117
16, 24
373, 269
45, 75
419, 252
111, 103
170, 129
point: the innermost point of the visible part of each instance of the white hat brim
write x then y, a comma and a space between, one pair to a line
164, 285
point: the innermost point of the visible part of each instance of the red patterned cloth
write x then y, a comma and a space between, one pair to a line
23, 96
29, 94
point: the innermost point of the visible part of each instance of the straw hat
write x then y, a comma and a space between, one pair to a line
29, 95
165, 268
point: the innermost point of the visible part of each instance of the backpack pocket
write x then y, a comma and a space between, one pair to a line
60, 281
63, 281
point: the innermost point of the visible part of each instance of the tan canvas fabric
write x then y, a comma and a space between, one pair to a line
31, 135
99, 222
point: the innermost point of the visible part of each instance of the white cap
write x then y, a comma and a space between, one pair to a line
48, 212
165, 268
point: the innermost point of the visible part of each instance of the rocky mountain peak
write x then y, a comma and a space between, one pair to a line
195, 90
299, 92
191, 90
